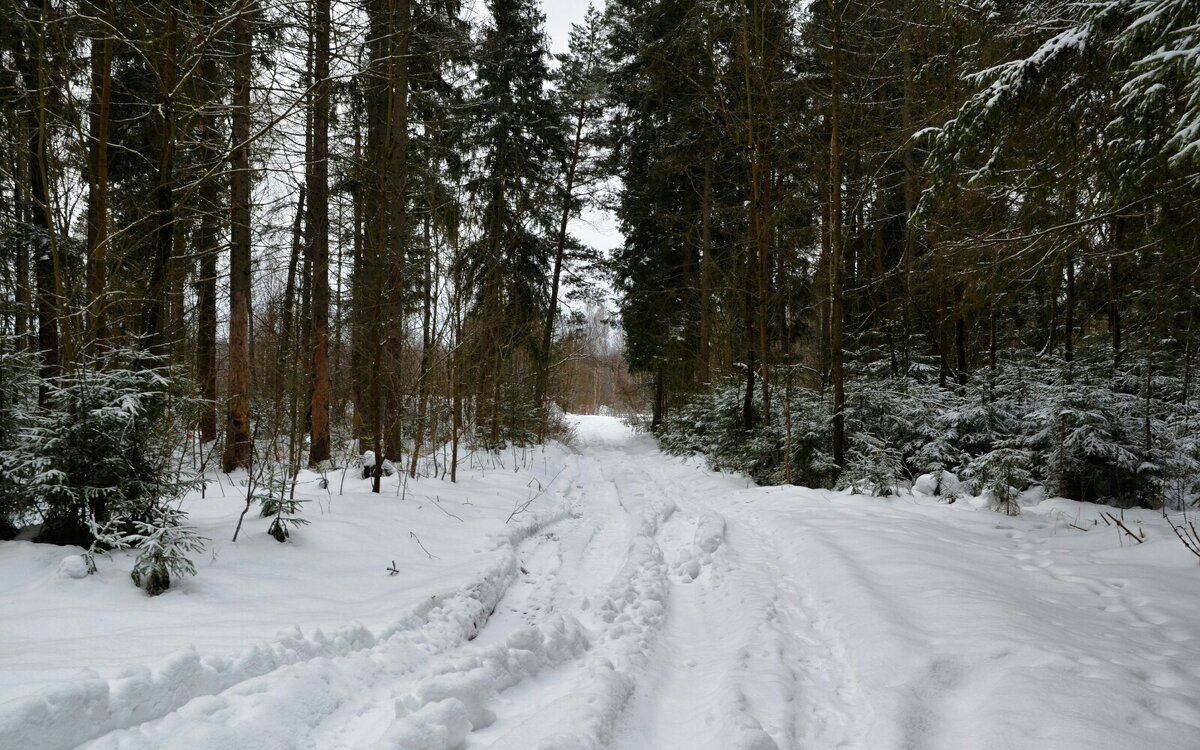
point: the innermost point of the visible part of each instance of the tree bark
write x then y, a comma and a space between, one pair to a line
207, 248
237, 436
318, 238
397, 212
560, 246
98, 120
836, 250
153, 310
31, 64
704, 356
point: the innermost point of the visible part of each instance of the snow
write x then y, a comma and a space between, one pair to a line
638, 602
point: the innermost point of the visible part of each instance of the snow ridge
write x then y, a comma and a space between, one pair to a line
435, 715
90, 707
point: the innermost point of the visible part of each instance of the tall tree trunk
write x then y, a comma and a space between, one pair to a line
1069, 316
98, 119
836, 249
426, 343
154, 308
560, 247
368, 280
318, 237
285, 353
206, 320
31, 65
207, 248
960, 338
658, 411
910, 191
237, 435
361, 197
764, 286
704, 356
397, 205
21, 208
1114, 308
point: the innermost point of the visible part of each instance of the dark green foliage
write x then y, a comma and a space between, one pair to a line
517, 132
165, 545
101, 448
1083, 437
276, 496
711, 424
19, 390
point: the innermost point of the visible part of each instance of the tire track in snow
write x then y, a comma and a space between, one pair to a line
745, 661
625, 577
694, 692
536, 630
822, 706
693, 644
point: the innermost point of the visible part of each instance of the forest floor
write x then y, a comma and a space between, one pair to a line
610, 596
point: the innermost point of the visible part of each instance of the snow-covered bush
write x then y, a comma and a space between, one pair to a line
872, 466
277, 501
18, 383
1090, 453
713, 424
103, 448
1001, 475
1074, 427
165, 544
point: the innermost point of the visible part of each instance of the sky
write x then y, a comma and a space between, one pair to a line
560, 14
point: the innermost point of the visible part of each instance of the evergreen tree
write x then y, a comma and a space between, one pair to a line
517, 135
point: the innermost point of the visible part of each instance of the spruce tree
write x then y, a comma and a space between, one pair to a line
517, 136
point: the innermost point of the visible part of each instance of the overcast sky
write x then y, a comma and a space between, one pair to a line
560, 14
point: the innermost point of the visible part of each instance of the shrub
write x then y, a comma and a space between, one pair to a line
19, 386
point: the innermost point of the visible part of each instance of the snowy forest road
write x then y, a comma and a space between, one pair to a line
638, 617
646, 603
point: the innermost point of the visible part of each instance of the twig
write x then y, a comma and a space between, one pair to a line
522, 507
1125, 528
393, 570
1187, 534
413, 535
438, 504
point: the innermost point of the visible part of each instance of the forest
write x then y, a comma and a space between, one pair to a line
862, 241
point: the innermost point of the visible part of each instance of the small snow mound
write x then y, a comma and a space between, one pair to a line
926, 484
710, 533
436, 726
749, 735
72, 567
464, 687
1031, 497
945, 484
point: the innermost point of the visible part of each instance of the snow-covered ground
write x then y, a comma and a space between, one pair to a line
638, 602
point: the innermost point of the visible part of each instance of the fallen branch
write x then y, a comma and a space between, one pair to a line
1125, 528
